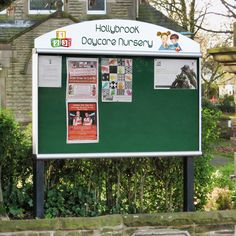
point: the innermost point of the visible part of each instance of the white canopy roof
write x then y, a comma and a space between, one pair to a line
117, 37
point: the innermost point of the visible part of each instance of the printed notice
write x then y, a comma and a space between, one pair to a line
82, 79
175, 74
50, 71
117, 79
82, 122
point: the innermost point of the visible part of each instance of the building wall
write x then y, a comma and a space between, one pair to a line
123, 9
19, 78
226, 89
16, 77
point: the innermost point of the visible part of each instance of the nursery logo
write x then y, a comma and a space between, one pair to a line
169, 41
61, 40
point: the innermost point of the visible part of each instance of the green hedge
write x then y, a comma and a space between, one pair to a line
101, 186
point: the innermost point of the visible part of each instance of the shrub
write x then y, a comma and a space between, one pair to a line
227, 104
203, 168
206, 103
15, 156
105, 186
219, 199
210, 129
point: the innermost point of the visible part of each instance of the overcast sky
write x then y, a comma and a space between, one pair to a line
215, 21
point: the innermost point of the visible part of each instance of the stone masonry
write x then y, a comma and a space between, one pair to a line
19, 78
17, 42
166, 224
16, 48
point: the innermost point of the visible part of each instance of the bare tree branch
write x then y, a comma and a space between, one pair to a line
231, 8
215, 31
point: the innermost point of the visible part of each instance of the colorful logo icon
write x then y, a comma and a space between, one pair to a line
61, 40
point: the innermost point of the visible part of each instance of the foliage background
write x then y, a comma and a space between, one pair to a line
101, 186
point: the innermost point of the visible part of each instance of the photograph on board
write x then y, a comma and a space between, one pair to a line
82, 122
82, 78
175, 74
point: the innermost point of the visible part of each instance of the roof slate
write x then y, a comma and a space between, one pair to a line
147, 13
7, 33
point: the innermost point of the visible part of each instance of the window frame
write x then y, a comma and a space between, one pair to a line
96, 12
41, 12
3, 12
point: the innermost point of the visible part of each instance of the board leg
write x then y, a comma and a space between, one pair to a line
38, 188
188, 171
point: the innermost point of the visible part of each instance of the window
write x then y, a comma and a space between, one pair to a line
96, 7
3, 12
42, 6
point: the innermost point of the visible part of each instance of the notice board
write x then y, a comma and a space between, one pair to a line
157, 115
157, 120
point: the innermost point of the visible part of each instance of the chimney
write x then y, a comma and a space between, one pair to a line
58, 5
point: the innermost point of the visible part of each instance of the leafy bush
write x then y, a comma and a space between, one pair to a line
227, 104
15, 156
134, 185
105, 186
206, 103
221, 180
219, 199
210, 129
203, 168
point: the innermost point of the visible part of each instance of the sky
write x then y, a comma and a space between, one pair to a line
216, 22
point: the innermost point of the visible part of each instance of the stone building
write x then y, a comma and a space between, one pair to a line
227, 86
24, 20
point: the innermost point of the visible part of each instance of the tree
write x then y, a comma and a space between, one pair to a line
185, 12
230, 7
210, 73
191, 15
227, 16
193, 18
5, 3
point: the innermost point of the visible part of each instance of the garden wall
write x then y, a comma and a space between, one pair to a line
188, 223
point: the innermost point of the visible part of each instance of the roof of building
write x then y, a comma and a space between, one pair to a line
9, 30
227, 80
148, 13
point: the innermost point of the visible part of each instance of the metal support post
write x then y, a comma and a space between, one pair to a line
188, 165
38, 181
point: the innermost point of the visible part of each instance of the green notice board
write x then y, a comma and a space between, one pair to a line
156, 121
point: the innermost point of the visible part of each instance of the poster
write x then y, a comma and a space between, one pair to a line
82, 79
117, 79
175, 74
50, 71
82, 122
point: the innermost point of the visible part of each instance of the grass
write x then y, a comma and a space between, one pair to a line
223, 186
225, 148
224, 162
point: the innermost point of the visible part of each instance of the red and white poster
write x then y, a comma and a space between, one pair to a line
82, 122
82, 78
82, 100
